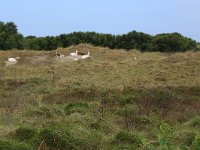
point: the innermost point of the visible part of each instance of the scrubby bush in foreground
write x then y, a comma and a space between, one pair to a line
13, 145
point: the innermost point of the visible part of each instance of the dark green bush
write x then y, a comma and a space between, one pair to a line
13, 145
196, 143
63, 139
127, 138
90, 141
172, 42
195, 123
56, 138
76, 107
26, 133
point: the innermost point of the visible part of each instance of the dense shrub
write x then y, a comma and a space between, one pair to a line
195, 123
127, 138
56, 138
172, 42
196, 143
26, 133
62, 138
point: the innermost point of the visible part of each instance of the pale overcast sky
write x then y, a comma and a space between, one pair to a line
54, 17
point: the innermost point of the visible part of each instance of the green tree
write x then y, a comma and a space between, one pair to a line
172, 42
9, 37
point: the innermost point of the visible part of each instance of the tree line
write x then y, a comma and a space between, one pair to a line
168, 42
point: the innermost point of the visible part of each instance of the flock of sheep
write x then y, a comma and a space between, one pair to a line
75, 55
72, 56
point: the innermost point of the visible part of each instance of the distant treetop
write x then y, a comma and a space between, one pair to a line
166, 42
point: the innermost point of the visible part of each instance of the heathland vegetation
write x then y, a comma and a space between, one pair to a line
168, 42
117, 99
110, 101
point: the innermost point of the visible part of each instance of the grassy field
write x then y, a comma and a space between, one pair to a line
110, 101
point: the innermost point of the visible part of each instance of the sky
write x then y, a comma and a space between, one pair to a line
55, 17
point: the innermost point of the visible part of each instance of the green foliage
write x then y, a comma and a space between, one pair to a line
57, 138
196, 143
132, 40
61, 138
26, 133
9, 37
195, 123
76, 107
122, 101
172, 43
40, 43
124, 138
166, 135
13, 145
165, 138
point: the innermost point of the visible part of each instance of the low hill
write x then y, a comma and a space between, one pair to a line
109, 68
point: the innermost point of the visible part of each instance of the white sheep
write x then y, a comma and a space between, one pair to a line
13, 59
79, 55
85, 56
74, 54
